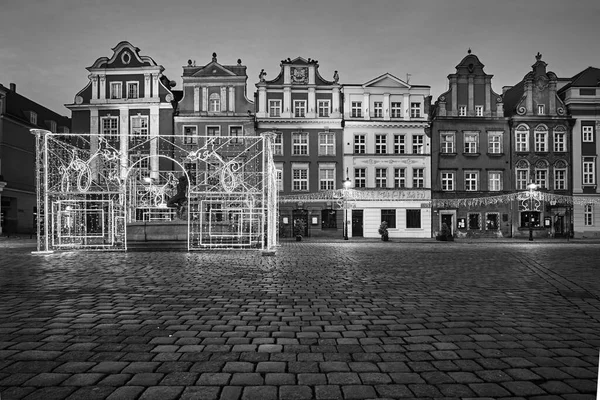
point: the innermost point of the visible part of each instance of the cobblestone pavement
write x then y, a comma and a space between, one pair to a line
344, 320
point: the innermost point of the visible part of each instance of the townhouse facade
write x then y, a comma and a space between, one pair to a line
470, 154
387, 157
581, 95
304, 112
19, 114
540, 155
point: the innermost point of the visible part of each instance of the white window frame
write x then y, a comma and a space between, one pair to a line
399, 143
495, 181
137, 89
360, 143
360, 177
324, 107
279, 177
380, 143
588, 214
447, 179
300, 143
471, 146
214, 102
541, 139
541, 177
108, 132
479, 111
495, 142
235, 139
587, 133
588, 171
471, 181
418, 178
326, 176
462, 111
381, 177
278, 144
396, 109
377, 109
399, 178
299, 108
560, 183
187, 137
300, 179
217, 133
415, 110
560, 141
541, 109
143, 166
418, 144
522, 139
116, 94
448, 142
143, 130
521, 178
356, 109
326, 144
275, 108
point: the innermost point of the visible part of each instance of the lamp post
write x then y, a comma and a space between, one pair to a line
347, 184
532, 187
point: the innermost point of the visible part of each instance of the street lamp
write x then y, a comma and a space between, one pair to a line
532, 187
347, 184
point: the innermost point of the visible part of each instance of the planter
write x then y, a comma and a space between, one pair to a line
298, 238
385, 238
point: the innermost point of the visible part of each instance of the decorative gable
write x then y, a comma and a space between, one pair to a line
387, 80
125, 55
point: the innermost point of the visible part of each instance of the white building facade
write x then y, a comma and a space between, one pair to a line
387, 157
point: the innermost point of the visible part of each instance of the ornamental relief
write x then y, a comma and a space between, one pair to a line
299, 75
392, 161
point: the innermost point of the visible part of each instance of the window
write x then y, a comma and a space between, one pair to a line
588, 215
522, 138
491, 221
522, 178
378, 109
413, 219
360, 177
560, 144
495, 142
447, 142
139, 126
132, 90
418, 178
399, 145
479, 111
389, 216
448, 181
214, 132
274, 108
299, 178
471, 142
462, 111
192, 171
116, 90
530, 216
140, 164
235, 133
211, 176
279, 178
418, 146
541, 138
380, 144
396, 110
471, 179
323, 107
214, 212
560, 179
541, 109
326, 144
214, 101
356, 111
326, 178
474, 220
328, 219
589, 168
399, 178
190, 134
359, 144
541, 178
587, 133
299, 108
494, 181
278, 144
380, 177
33, 117
300, 143
110, 126
415, 110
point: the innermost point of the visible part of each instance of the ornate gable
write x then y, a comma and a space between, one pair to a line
125, 55
387, 80
470, 65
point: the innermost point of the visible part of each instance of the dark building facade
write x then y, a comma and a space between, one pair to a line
19, 114
305, 113
470, 155
540, 153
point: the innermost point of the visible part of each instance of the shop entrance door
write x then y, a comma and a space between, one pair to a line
448, 220
357, 223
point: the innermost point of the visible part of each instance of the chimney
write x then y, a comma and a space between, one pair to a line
13, 87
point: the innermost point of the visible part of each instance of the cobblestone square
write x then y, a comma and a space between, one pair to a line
319, 320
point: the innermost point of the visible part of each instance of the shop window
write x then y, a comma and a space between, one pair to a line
329, 219
491, 221
390, 217
527, 215
474, 221
413, 218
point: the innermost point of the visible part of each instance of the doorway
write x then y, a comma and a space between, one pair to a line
302, 215
357, 223
447, 219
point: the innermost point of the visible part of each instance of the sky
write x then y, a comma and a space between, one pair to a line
45, 45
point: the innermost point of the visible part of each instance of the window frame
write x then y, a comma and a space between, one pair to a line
396, 108
360, 177
380, 143
217, 132
444, 147
541, 177
418, 178
137, 89
141, 135
274, 108
462, 111
118, 92
360, 143
416, 217
239, 137
116, 129
495, 181
278, 144
587, 135
214, 102
560, 141
541, 109
399, 143
467, 143
323, 147
588, 175
381, 178
378, 109
356, 109
189, 138
388, 215
522, 139
521, 182
479, 111
471, 180
329, 179
418, 144
447, 179
299, 108
400, 178
494, 145
588, 214
415, 110
562, 180
324, 108
540, 139
470, 227
299, 146
297, 183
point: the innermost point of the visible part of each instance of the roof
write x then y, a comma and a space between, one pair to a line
512, 97
18, 106
589, 77
213, 68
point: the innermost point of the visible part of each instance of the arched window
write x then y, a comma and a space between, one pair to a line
541, 138
522, 174
215, 102
560, 139
541, 174
522, 138
560, 175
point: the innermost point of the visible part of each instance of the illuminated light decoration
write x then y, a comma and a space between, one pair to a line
86, 198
